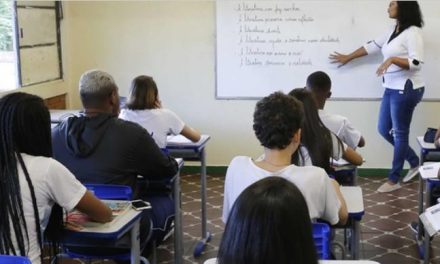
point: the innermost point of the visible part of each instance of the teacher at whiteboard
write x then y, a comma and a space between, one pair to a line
402, 49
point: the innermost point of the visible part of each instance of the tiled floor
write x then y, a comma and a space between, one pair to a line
385, 235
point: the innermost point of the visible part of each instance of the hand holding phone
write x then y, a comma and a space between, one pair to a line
139, 205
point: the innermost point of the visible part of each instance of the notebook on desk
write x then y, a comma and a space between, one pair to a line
431, 219
80, 220
429, 171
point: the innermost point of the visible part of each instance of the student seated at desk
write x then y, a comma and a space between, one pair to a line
34, 187
98, 147
319, 84
145, 108
277, 125
319, 145
269, 223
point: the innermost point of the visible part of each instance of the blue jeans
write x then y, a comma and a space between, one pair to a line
395, 117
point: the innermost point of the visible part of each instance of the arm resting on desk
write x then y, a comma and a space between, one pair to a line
190, 133
343, 212
352, 156
94, 208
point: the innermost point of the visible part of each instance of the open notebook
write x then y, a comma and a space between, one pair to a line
430, 170
80, 220
431, 219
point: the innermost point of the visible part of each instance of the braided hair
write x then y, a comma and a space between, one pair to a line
25, 128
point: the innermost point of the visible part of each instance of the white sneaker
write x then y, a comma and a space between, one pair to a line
386, 187
411, 174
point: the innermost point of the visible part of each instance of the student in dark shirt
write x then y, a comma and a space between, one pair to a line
100, 148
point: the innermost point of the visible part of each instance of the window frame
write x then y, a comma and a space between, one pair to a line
18, 47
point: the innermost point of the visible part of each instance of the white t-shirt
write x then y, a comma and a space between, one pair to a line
313, 182
158, 122
53, 183
408, 44
341, 127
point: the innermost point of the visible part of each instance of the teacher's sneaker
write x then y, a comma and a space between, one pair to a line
386, 187
411, 174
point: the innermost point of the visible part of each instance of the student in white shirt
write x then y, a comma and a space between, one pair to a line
402, 50
145, 108
321, 144
319, 84
277, 125
34, 186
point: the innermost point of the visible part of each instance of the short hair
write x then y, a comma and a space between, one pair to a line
277, 118
95, 86
143, 93
319, 82
409, 14
269, 223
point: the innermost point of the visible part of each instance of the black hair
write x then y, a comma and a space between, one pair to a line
409, 14
143, 93
277, 118
315, 136
319, 82
25, 128
269, 223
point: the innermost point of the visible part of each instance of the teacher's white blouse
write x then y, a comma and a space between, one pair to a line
408, 44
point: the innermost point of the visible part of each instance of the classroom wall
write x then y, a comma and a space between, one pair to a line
174, 41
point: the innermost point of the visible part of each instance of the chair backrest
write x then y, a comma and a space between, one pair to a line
110, 191
6, 259
321, 237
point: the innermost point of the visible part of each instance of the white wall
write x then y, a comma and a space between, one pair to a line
173, 41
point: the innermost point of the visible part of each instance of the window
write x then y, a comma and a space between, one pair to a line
36, 32
8, 61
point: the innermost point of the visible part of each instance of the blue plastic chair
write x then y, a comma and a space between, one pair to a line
110, 192
321, 237
6, 259
107, 192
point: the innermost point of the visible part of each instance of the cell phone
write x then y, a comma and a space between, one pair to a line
139, 205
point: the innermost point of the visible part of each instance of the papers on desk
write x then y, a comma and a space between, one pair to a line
79, 220
431, 219
429, 171
178, 139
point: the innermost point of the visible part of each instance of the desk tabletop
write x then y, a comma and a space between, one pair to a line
118, 226
353, 198
180, 141
425, 145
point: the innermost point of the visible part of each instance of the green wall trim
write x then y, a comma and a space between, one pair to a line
221, 170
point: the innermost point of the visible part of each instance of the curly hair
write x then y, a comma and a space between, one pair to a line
277, 118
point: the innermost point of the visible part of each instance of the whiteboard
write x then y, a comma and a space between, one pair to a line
267, 46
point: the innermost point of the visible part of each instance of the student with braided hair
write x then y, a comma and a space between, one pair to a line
34, 187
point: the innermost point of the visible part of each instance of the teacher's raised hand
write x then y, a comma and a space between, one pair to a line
343, 59
337, 57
